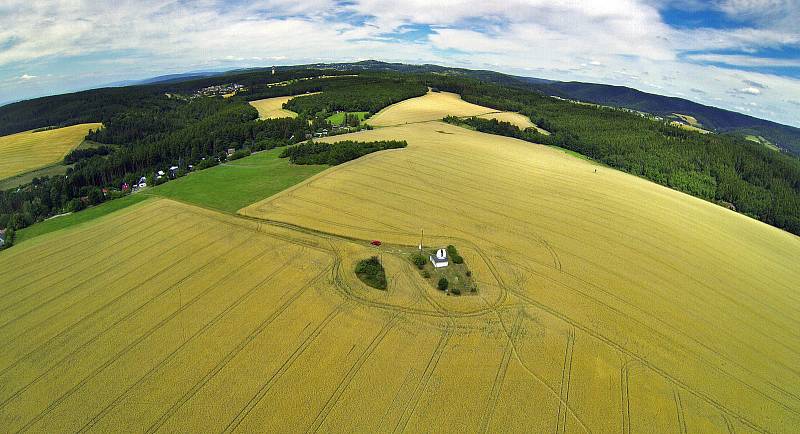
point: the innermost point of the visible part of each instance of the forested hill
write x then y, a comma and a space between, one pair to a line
101, 105
711, 118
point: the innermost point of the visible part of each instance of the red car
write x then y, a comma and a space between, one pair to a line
376, 243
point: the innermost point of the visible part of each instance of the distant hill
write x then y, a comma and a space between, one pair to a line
712, 118
67, 109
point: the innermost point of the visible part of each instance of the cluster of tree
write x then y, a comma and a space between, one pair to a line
79, 154
371, 272
337, 153
365, 94
454, 256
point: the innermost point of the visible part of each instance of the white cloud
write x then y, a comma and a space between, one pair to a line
750, 90
739, 60
623, 42
26, 77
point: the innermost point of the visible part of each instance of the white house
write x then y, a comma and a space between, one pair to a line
439, 260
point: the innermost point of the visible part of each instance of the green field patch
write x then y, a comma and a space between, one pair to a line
234, 185
763, 141
338, 117
72, 219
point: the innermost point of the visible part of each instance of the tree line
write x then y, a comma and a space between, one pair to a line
336, 153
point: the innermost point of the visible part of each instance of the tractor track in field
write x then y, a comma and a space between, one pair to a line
69, 266
703, 345
88, 279
566, 376
61, 248
78, 349
254, 334
287, 364
117, 356
626, 397
76, 323
728, 424
500, 376
422, 385
539, 239
197, 297
635, 357
701, 395
351, 373
680, 413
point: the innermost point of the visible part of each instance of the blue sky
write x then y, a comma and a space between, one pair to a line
742, 55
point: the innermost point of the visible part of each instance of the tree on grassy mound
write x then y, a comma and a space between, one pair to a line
371, 272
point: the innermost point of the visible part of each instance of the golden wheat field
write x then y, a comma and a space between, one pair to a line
272, 108
30, 150
622, 306
606, 303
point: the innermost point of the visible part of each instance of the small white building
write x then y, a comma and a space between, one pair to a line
439, 259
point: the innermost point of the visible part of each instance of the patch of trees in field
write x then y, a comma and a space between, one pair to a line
723, 168
371, 272
336, 153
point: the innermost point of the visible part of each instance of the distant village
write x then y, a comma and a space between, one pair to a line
219, 90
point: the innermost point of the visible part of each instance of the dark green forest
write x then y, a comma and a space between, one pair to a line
157, 126
336, 153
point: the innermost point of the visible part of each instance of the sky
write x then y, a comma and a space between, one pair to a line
742, 55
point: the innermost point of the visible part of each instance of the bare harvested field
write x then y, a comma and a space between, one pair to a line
30, 150
272, 108
606, 303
